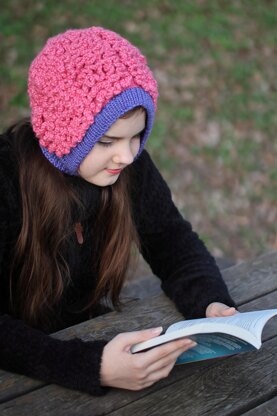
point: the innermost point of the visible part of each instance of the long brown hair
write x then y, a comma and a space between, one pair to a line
40, 272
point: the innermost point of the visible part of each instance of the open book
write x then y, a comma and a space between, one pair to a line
215, 337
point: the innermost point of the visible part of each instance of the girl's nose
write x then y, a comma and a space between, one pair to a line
123, 154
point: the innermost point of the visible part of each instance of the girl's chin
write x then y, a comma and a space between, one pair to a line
102, 181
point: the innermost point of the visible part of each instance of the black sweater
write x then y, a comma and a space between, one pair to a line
176, 255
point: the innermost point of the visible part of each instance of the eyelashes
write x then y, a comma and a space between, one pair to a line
105, 144
108, 144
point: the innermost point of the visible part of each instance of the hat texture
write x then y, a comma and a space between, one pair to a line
81, 82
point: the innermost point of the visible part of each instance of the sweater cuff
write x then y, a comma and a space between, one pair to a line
199, 311
75, 364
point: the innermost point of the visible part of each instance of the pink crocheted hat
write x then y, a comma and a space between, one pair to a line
81, 82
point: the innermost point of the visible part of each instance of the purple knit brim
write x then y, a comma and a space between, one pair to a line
113, 110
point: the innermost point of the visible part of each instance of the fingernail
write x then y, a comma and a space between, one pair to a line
157, 331
189, 342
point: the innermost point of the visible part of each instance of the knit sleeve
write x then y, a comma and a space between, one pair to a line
175, 253
74, 364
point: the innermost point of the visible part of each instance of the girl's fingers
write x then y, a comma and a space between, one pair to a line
162, 360
126, 339
217, 309
155, 376
162, 372
228, 311
162, 352
170, 359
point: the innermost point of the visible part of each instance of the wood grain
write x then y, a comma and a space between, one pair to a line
222, 390
230, 385
268, 408
252, 279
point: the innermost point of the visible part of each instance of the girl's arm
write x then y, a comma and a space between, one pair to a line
74, 364
189, 274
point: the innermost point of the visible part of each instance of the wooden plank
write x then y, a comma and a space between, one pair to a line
52, 400
242, 279
253, 278
155, 312
13, 385
246, 281
268, 408
230, 387
54, 397
159, 311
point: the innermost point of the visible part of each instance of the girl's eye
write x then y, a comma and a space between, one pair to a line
106, 144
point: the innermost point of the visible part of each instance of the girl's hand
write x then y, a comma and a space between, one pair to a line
122, 369
215, 309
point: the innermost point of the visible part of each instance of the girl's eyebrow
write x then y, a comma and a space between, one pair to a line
119, 138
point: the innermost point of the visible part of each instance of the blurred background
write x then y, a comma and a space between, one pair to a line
215, 134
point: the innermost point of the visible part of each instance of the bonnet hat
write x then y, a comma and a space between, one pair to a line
80, 83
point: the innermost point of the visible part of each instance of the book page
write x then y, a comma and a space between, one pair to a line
247, 326
250, 321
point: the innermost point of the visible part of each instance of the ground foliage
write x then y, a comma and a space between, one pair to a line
215, 133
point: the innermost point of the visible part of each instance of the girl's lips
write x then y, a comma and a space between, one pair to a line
114, 171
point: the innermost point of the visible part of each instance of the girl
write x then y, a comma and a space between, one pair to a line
77, 189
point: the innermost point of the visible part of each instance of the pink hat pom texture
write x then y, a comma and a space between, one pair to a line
74, 76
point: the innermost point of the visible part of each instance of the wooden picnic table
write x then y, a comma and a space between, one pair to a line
244, 384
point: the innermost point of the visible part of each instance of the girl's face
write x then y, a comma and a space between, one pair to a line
114, 151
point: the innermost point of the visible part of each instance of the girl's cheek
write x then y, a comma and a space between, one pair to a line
136, 147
